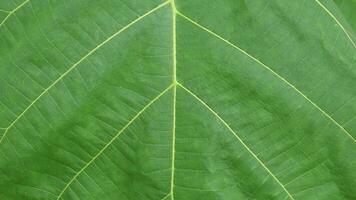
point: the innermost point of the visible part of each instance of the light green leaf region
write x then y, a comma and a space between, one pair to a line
177, 100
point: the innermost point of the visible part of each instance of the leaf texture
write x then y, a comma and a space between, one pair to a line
177, 100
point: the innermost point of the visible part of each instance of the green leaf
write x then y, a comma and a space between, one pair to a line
177, 100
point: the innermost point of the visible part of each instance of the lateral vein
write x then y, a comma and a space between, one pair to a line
270, 70
237, 137
113, 139
5, 11
165, 197
78, 62
13, 11
337, 21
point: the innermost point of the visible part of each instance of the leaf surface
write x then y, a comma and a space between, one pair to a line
177, 100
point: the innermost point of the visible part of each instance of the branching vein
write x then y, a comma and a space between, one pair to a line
337, 21
5, 11
165, 197
270, 70
77, 63
112, 140
173, 86
13, 11
237, 137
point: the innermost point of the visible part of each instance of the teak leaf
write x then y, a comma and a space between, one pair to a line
177, 100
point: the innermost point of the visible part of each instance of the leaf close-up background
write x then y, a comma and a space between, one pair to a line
177, 100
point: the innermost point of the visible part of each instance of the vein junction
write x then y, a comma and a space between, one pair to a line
270, 70
175, 12
75, 65
121, 131
173, 86
337, 21
13, 11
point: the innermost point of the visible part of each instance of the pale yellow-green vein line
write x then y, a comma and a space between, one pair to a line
337, 21
174, 52
113, 139
165, 197
13, 11
237, 137
269, 69
5, 11
78, 62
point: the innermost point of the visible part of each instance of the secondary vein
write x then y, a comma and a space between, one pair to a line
112, 140
237, 137
13, 11
337, 21
270, 70
78, 62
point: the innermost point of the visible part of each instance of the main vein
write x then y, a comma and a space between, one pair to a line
13, 12
78, 62
337, 21
270, 70
237, 137
174, 80
112, 140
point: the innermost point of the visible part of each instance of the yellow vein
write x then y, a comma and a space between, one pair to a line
165, 197
174, 14
237, 137
5, 11
78, 62
337, 21
173, 138
13, 11
174, 51
113, 139
269, 69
